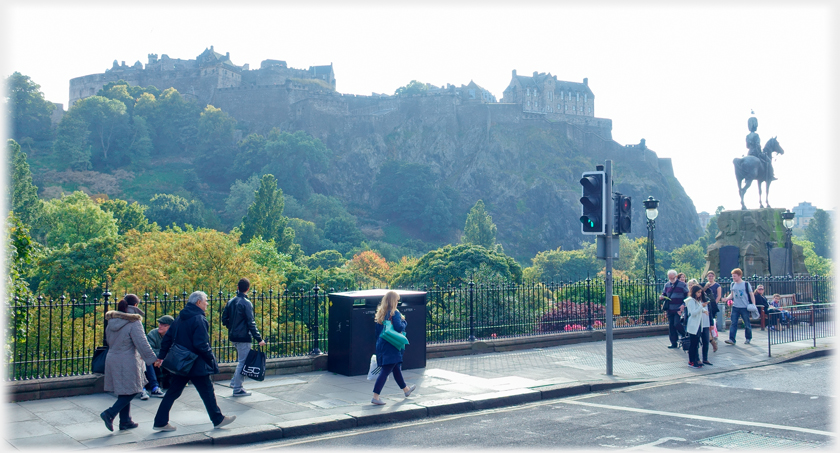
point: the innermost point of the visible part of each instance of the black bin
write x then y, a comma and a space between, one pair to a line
352, 334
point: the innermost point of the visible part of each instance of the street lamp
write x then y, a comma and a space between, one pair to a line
787, 220
651, 212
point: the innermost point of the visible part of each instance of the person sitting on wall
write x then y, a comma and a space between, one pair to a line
158, 376
781, 316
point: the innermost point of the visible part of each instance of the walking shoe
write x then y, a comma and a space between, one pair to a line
377, 402
109, 422
673, 346
241, 392
729, 342
129, 425
691, 364
166, 427
747, 342
157, 393
698, 365
410, 389
706, 362
227, 421
144, 395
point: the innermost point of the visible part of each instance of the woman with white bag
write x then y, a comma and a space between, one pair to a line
388, 357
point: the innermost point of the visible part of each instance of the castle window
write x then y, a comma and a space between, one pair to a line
558, 106
577, 95
528, 105
585, 97
567, 107
570, 95
528, 91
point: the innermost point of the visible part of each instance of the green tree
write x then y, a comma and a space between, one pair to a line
25, 202
28, 112
820, 232
689, 259
79, 268
71, 148
168, 209
128, 216
412, 88
479, 228
107, 122
265, 217
408, 197
214, 153
815, 264
74, 219
564, 265
325, 259
21, 250
454, 264
241, 196
343, 230
307, 235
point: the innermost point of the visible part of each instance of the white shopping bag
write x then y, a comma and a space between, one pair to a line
374, 370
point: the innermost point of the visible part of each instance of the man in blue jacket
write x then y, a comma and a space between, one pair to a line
191, 331
238, 317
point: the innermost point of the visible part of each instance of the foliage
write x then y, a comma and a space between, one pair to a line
191, 259
815, 264
564, 265
75, 218
265, 217
28, 111
71, 148
479, 228
77, 268
20, 250
819, 231
689, 259
241, 196
343, 230
325, 259
128, 216
453, 264
371, 269
307, 235
566, 315
25, 203
168, 209
412, 88
265, 254
215, 145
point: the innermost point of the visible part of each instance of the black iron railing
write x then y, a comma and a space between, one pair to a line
52, 337
798, 323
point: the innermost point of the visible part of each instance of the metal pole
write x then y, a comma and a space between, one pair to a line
608, 279
472, 316
315, 350
105, 296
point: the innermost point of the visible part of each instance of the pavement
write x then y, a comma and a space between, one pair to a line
315, 402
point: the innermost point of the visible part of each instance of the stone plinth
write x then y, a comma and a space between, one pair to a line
751, 231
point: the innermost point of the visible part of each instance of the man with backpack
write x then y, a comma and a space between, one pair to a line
238, 317
741, 295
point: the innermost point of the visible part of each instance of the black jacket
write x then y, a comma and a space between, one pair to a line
192, 331
238, 317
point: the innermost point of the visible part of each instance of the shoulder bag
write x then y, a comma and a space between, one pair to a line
398, 340
179, 360
97, 364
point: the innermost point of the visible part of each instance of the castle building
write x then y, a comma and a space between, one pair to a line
200, 78
543, 93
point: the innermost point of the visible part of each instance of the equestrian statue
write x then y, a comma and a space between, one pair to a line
758, 165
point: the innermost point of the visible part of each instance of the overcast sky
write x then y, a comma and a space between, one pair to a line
683, 77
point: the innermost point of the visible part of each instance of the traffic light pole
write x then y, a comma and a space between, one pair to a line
608, 278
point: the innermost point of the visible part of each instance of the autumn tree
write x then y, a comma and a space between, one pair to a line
371, 268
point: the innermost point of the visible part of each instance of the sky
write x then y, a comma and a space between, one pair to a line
683, 76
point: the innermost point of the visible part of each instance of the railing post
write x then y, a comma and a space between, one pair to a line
589, 302
105, 296
315, 350
472, 312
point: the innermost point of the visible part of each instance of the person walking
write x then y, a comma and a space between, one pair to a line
741, 295
192, 332
155, 375
695, 307
676, 292
712, 290
124, 364
387, 356
238, 317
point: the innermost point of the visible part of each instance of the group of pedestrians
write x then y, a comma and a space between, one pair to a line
692, 310
133, 365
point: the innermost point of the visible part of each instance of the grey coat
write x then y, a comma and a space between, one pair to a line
125, 371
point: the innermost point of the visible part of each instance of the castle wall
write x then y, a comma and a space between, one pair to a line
259, 107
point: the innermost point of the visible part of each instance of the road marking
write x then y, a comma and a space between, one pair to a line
700, 417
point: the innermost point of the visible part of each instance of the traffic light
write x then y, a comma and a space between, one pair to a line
623, 214
593, 208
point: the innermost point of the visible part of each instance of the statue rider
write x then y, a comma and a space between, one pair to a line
754, 147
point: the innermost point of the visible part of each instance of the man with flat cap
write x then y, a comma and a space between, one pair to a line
154, 374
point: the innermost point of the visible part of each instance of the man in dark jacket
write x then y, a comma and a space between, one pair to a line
192, 332
238, 317
676, 291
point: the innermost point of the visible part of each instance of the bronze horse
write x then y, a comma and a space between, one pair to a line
752, 168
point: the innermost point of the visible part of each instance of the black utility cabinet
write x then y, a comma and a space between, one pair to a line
352, 334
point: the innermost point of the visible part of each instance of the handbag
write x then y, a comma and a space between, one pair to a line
714, 331
254, 365
397, 339
179, 360
97, 363
685, 342
374, 370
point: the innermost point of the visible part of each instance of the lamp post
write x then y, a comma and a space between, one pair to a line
787, 220
651, 212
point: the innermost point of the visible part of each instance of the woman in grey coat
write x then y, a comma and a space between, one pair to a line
125, 370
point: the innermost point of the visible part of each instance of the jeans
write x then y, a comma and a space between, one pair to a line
383, 376
151, 375
205, 390
122, 407
675, 327
744, 314
242, 350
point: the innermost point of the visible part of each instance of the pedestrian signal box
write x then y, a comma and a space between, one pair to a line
593, 206
623, 214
